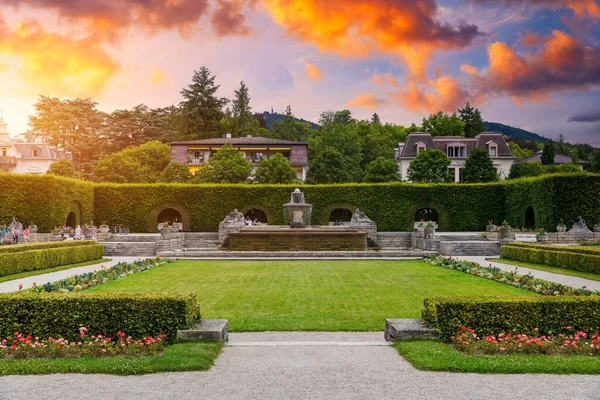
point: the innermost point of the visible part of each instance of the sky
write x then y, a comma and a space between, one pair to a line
532, 64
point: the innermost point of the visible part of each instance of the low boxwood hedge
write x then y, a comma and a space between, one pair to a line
566, 249
15, 248
491, 316
33, 260
585, 260
61, 315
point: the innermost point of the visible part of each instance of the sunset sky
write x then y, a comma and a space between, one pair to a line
533, 64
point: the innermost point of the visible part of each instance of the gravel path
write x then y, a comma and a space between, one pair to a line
13, 286
326, 366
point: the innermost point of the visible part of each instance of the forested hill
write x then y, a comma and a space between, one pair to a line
515, 133
272, 117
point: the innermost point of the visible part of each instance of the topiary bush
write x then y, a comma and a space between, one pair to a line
61, 315
16, 248
585, 260
491, 316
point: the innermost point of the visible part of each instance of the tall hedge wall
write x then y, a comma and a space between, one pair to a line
44, 200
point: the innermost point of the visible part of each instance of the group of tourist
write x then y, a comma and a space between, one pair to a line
253, 222
13, 233
72, 233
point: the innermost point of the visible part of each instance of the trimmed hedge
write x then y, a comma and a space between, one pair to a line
491, 316
564, 249
585, 260
61, 315
15, 248
45, 200
33, 260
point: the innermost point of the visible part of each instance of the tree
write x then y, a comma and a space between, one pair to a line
548, 154
471, 117
227, 165
441, 124
201, 108
276, 169
329, 166
381, 170
75, 125
289, 128
175, 172
62, 167
375, 120
519, 152
136, 164
569, 168
479, 167
521, 170
595, 167
243, 122
430, 166
377, 141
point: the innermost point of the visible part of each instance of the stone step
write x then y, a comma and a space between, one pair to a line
215, 330
133, 238
404, 329
133, 249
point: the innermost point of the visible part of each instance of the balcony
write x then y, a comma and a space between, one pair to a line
194, 161
6, 160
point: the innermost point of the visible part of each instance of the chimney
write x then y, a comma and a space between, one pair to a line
228, 135
29, 136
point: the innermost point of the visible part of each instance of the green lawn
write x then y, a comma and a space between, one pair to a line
555, 270
49, 270
309, 295
194, 356
433, 355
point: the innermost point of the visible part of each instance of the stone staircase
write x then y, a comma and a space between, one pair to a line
394, 240
469, 248
140, 245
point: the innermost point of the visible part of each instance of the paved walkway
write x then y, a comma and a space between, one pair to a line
13, 286
344, 365
574, 281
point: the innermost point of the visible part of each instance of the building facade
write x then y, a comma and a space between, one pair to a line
194, 153
559, 159
457, 149
22, 155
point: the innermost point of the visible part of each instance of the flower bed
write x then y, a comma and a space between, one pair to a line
100, 276
21, 346
527, 282
576, 343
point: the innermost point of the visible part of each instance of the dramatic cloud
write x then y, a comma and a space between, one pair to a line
589, 116
313, 72
561, 63
468, 69
442, 94
359, 28
581, 8
368, 100
229, 19
385, 79
53, 64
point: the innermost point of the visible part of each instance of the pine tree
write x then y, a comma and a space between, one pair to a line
479, 167
472, 119
548, 154
201, 108
375, 120
243, 122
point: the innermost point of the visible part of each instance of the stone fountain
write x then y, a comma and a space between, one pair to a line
297, 212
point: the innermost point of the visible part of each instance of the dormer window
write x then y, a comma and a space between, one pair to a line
36, 152
421, 147
4, 152
492, 149
457, 151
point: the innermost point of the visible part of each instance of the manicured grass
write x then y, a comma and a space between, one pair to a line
309, 295
49, 270
433, 355
193, 356
555, 270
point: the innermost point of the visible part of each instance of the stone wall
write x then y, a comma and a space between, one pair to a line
298, 241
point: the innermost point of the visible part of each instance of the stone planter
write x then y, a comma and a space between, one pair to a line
561, 229
429, 233
33, 233
504, 232
421, 232
490, 228
90, 233
168, 232
103, 233
542, 238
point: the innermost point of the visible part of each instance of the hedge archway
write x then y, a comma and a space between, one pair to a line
73, 215
340, 214
259, 211
71, 220
427, 214
322, 218
170, 209
437, 209
529, 218
256, 214
169, 215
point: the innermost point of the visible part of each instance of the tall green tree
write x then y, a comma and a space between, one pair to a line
548, 154
376, 141
328, 166
517, 151
289, 128
521, 170
243, 122
430, 166
175, 172
375, 120
276, 169
382, 170
595, 167
479, 167
471, 117
227, 165
201, 108
441, 124
62, 167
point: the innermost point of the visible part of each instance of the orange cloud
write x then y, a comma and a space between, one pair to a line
53, 64
359, 28
368, 100
468, 69
229, 19
442, 94
387, 78
313, 72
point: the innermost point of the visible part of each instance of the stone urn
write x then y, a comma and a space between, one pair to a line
33, 233
103, 232
504, 232
90, 232
429, 232
561, 228
33, 229
542, 237
490, 228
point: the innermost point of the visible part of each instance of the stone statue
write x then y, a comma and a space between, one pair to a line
580, 226
233, 222
297, 197
234, 216
359, 216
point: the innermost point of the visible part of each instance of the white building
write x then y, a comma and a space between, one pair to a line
457, 149
22, 155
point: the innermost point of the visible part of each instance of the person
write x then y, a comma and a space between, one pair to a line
78, 232
26, 235
2, 233
16, 235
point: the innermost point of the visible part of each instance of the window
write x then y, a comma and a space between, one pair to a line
4, 152
457, 151
421, 147
492, 149
36, 152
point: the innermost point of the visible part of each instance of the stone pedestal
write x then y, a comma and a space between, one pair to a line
90, 233
421, 232
103, 233
543, 238
33, 233
429, 232
504, 233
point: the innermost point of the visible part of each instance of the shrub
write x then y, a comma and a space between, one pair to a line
33, 260
16, 248
491, 316
585, 260
61, 315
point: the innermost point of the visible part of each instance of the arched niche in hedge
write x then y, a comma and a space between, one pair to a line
340, 214
427, 214
73, 214
257, 209
169, 215
529, 218
156, 212
322, 217
440, 209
